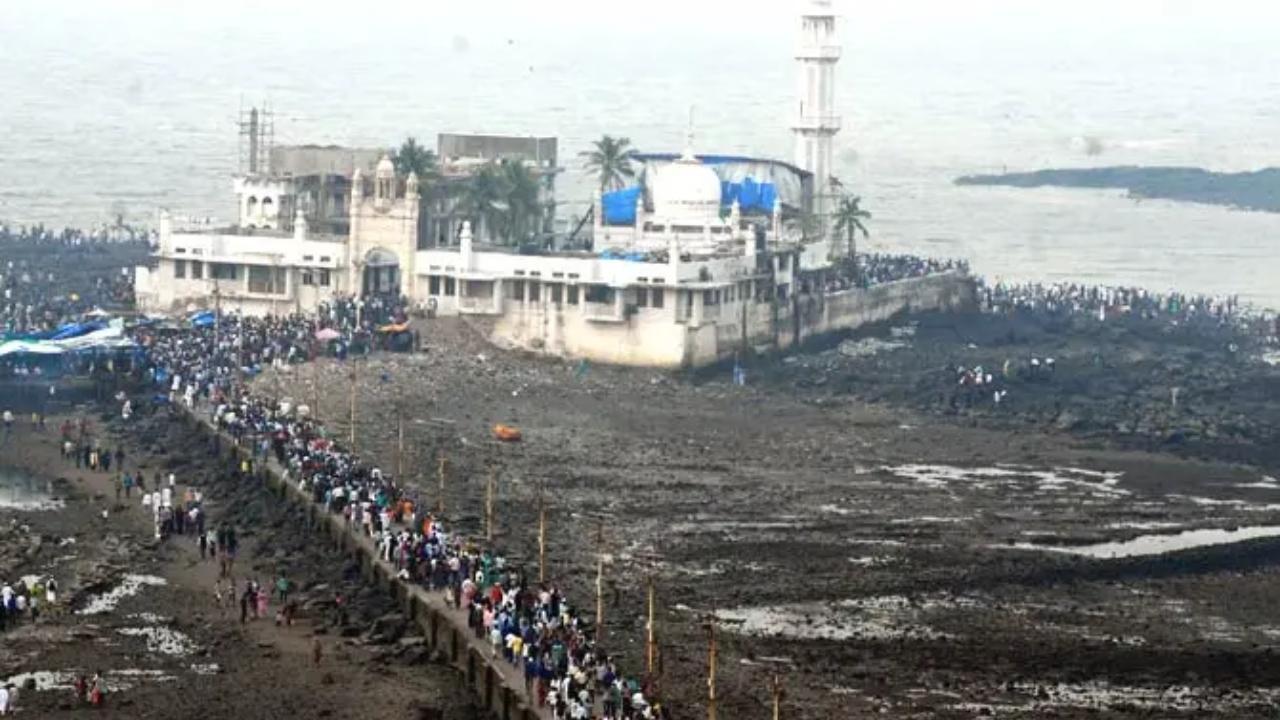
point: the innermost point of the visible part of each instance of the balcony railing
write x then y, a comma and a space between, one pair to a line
477, 306
602, 312
816, 122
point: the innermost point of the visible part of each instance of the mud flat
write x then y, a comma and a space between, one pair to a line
142, 612
858, 544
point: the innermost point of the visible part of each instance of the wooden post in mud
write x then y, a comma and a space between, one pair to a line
354, 366
649, 645
599, 598
775, 687
400, 444
542, 537
440, 499
711, 668
600, 583
488, 506
315, 387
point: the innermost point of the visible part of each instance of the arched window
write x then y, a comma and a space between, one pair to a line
251, 206
268, 207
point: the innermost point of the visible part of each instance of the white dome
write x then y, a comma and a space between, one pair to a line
386, 168
686, 189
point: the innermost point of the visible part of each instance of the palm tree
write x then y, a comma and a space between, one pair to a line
412, 157
484, 199
610, 161
848, 219
522, 200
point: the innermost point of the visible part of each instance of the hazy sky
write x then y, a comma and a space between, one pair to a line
897, 19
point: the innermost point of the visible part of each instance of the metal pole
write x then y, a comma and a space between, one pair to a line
649, 643
600, 583
599, 598
542, 539
440, 500
776, 687
711, 669
488, 507
400, 445
315, 386
354, 369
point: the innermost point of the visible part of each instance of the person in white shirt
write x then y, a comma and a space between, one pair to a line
6, 699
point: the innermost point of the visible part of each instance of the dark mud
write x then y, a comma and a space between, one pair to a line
881, 551
1114, 383
167, 647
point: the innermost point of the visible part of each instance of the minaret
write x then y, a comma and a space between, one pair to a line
816, 123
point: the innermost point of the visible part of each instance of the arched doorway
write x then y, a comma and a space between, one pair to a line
381, 273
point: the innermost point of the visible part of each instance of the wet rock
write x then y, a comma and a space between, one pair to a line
387, 629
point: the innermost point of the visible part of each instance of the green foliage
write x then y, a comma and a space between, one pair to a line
412, 157
502, 197
848, 219
610, 161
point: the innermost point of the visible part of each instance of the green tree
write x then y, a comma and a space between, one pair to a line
484, 200
523, 209
610, 161
412, 157
848, 220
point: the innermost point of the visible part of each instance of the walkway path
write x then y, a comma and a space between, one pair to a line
510, 678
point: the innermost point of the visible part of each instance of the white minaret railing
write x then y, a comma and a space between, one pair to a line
815, 122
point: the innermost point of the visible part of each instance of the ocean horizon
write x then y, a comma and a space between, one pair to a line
118, 112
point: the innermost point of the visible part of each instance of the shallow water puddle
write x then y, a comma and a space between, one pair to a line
888, 617
129, 586
1145, 545
64, 680
1105, 696
162, 640
22, 491
1093, 482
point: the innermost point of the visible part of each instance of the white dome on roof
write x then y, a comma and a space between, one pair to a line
686, 188
386, 168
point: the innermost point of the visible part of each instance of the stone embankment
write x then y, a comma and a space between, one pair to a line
498, 685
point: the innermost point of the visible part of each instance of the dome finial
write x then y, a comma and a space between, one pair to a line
688, 140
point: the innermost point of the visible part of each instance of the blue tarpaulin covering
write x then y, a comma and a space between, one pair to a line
620, 206
751, 195
202, 319
75, 330
630, 256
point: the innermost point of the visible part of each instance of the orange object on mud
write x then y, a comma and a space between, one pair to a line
507, 433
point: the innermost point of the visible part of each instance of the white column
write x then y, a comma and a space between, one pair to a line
816, 122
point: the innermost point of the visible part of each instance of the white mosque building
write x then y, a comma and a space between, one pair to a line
705, 258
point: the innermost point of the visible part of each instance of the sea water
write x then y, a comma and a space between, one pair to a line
19, 490
126, 108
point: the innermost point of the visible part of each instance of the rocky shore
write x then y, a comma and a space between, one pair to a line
1257, 190
884, 552
142, 612
1120, 384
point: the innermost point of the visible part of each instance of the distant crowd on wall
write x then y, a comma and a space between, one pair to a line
1136, 304
868, 270
27, 235
50, 277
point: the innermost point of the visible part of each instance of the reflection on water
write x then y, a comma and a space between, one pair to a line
1158, 544
19, 490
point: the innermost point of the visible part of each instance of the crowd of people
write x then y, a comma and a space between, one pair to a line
533, 626
46, 237
1104, 303
23, 600
49, 277
866, 270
